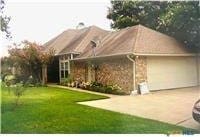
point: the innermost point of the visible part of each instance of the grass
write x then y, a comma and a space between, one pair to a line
55, 110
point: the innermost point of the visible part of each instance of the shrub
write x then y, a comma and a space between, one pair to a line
66, 81
108, 89
95, 83
9, 80
102, 89
21, 77
18, 90
3, 76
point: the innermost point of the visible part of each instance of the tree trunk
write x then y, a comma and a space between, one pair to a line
44, 74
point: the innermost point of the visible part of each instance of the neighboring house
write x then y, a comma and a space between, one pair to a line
126, 57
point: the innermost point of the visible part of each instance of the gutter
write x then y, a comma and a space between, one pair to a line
172, 55
104, 56
58, 54
134, 71
131, 53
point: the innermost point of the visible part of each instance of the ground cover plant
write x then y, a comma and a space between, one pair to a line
55, 110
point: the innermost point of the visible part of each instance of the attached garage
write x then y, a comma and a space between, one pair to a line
171, 72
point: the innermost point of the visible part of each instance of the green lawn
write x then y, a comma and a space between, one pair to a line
54, 110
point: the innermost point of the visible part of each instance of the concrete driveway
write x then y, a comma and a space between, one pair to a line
171, 106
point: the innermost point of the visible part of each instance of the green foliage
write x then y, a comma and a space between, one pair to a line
4, 20
9, 80
55, 110
30, 58
180, 19
94, 86
110, 89
6, 64
66, 81
18, 90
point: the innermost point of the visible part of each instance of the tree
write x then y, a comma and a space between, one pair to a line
6, 64
31, 59
4, 20
180, 19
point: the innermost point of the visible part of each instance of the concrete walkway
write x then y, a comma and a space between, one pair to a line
171, 106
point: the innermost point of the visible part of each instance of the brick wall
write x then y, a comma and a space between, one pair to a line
78, 70
114, 71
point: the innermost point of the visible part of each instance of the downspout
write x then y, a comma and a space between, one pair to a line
134, 71
198, 69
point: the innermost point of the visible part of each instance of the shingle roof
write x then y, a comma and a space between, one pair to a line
136, 40
113, 43
74, 40
153, 42
61, 41
131, 40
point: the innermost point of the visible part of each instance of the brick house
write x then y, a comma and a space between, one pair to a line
126, 57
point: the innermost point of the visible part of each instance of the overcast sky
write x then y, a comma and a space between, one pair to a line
40, 20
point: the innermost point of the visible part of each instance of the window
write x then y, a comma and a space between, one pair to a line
64, 69
62, 74
62, 66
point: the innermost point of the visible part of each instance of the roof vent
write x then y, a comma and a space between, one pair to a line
95, 42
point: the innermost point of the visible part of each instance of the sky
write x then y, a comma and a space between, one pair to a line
41, 20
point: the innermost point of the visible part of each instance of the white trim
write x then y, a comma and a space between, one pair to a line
143, 54
66, 68
67, 53
134, 71
135, 54
94, 57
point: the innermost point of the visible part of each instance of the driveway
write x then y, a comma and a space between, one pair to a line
171, 106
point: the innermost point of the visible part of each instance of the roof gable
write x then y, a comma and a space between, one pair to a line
80, 42
74, 40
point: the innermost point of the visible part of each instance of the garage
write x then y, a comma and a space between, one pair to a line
171, 72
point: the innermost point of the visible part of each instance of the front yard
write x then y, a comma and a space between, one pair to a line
55, 110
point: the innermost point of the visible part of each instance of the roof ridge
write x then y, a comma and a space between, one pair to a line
71, 39
136, 39
74, 39
86, 35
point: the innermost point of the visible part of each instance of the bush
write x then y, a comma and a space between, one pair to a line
21, 77
9, 80
108, 89
95, 84
3, 76
66, 81
18, 90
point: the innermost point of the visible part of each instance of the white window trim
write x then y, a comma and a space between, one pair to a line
68, 65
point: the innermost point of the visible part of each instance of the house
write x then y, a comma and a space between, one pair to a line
126, 57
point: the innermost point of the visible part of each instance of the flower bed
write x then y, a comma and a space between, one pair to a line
93, 86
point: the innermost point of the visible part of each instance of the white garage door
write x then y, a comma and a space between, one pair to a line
171, 72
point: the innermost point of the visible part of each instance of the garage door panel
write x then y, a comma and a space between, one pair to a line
171, 72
